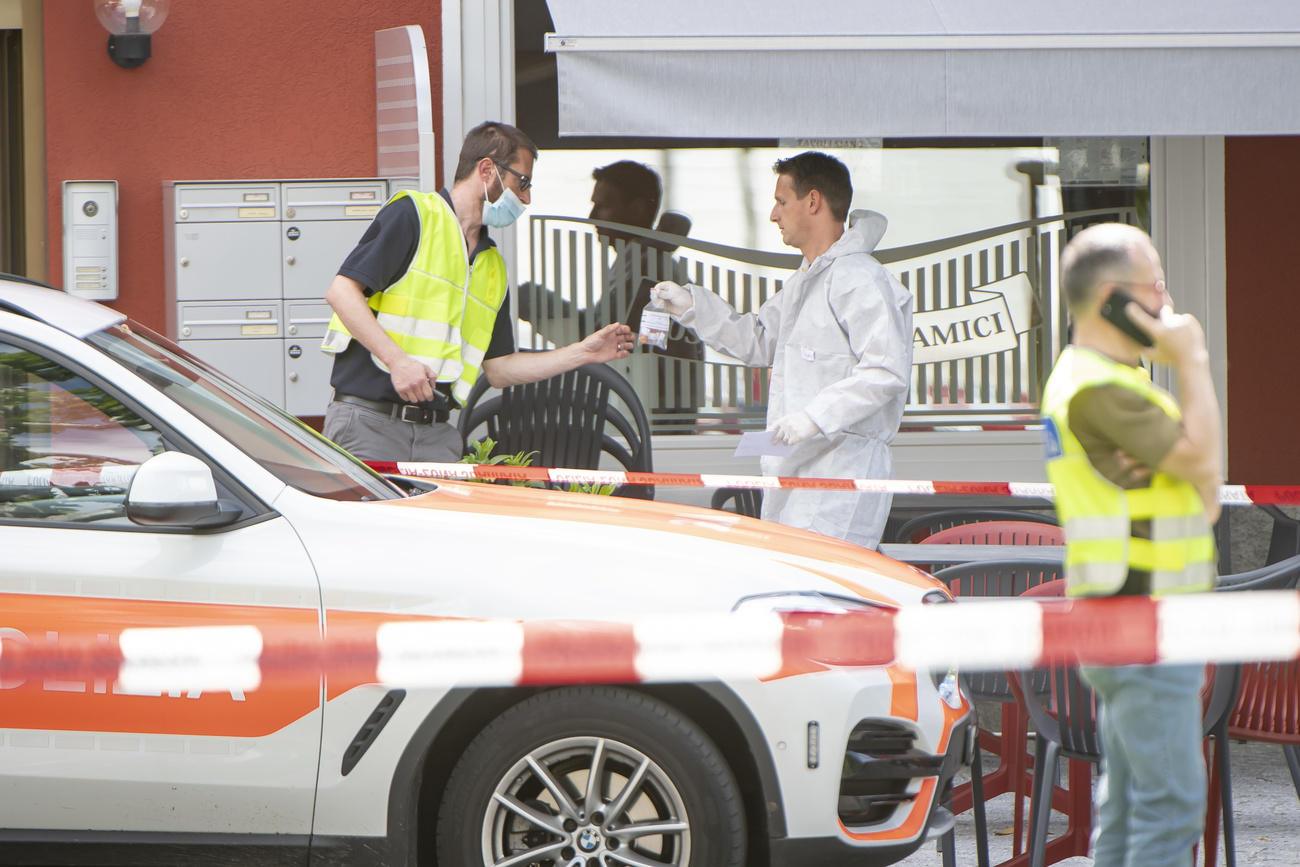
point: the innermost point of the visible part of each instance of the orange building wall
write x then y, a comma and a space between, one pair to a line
1262, 197
235, 89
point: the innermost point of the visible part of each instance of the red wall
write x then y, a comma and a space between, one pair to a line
1262, 194
234, 89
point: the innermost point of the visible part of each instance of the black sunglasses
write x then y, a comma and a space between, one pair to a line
524, 181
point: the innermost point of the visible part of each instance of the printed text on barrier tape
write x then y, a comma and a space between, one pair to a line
1230, 495
988, 634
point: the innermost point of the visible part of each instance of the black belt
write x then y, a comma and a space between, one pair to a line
412, 413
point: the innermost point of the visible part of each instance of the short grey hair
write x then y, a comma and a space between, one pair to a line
1106, 251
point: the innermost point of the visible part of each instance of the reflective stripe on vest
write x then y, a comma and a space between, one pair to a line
1097, 514
441, 312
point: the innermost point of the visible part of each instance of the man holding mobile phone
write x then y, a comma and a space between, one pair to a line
1136, 475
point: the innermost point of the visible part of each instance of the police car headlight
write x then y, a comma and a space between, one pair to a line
948, 687
946, 683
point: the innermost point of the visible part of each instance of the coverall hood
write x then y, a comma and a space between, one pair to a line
865, 230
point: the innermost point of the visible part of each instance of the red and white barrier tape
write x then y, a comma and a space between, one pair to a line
984, 634
117, 475
1229, 495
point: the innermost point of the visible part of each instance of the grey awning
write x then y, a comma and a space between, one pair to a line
870, 68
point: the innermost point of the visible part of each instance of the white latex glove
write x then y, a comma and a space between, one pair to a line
794, 428
671, 297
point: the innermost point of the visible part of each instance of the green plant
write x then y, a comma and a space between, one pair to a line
480, 452
590, 488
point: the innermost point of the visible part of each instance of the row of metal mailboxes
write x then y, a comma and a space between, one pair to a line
259, 201
272, 347
230, 241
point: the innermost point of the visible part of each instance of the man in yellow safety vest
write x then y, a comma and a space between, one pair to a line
1136, 476
421, 308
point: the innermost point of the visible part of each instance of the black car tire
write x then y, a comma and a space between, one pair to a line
683, 780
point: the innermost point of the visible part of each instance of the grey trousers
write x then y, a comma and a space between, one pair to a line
374, 436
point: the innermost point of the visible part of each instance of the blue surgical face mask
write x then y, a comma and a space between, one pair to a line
505, 210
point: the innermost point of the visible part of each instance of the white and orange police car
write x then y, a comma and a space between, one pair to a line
139, 488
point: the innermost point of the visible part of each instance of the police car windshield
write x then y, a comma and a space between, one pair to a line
293, 452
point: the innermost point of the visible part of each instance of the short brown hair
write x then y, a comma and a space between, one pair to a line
814, 170
634, 180
495, 140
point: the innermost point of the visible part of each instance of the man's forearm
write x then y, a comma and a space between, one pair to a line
347, 298
520, 367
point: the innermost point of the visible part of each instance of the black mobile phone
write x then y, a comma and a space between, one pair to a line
1112, 310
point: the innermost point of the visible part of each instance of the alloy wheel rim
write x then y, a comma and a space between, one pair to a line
586, 802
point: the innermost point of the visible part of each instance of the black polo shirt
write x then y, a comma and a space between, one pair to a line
379, 260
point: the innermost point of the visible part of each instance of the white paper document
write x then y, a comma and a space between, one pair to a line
758, 443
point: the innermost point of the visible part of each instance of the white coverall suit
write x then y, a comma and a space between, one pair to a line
838, 337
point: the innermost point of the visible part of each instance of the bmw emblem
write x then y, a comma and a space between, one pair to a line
588, 840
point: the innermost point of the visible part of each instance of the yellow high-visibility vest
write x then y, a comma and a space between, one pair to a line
1097, 514
442, 311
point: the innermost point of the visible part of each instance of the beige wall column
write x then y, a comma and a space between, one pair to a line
1188, 225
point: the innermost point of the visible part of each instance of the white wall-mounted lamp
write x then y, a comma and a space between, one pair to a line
129, 24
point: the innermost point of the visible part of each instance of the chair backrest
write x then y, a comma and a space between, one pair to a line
994, 578
742, 501
998, 533
1284, 540
570, 420
998, 577
1061, 706
1219, 697
916, 529
1268, 702
1282, 575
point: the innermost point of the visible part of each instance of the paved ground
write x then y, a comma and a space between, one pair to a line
1267, 817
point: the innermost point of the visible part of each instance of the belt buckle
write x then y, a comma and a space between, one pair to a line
413, 414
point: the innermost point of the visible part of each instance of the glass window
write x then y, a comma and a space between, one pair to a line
975, 233
293, 452
67, 449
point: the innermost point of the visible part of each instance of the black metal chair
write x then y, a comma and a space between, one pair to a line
915, 529
1002, 579
742, 501
570, 420
1284, 540
1064, 714
1267, 705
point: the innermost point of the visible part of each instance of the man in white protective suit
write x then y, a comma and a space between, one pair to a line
838, 337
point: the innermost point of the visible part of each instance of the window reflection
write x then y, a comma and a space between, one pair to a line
67, 449
975, 233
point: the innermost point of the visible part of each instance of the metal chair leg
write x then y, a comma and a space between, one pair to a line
1292, 754
947, 843
977, 805
948, 849
1225, 794
1045, 760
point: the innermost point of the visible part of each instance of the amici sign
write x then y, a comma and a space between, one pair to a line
990, 322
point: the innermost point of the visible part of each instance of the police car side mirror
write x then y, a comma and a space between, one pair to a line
174, 489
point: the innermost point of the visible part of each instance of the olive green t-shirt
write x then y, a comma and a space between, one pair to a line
1109, 420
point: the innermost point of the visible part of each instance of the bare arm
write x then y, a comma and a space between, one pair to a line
1197, 457
612, 342
413, 381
